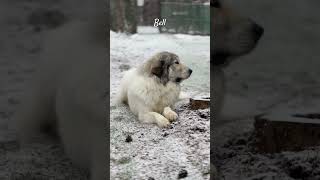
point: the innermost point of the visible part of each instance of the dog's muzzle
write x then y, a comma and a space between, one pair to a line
178, 80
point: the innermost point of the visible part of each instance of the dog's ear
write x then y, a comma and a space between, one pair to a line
157, 69
160, 69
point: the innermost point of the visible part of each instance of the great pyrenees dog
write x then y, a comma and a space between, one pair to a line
152, 89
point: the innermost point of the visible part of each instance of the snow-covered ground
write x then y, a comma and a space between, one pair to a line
155, 152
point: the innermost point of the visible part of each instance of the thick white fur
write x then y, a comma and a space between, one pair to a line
70, 87
147, 98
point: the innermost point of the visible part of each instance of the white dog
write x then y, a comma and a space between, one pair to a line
153, 88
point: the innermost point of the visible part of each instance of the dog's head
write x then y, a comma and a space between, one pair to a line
233, 35
166, 66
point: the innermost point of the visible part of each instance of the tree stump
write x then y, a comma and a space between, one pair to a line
287, 131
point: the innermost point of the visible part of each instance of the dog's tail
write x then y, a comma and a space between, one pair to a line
121, 97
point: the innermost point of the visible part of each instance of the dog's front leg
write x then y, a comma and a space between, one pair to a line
145, 114
154, 117
170, 114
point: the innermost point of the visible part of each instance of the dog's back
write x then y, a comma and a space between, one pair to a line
122, 95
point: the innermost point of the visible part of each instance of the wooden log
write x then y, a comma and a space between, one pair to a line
199, 103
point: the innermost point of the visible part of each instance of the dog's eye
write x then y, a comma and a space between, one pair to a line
177, 62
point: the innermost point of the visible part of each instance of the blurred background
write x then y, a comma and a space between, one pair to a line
24, 25
277, 81
184, 16
186, 32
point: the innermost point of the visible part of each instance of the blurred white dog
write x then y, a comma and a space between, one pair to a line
233, 36
69, 92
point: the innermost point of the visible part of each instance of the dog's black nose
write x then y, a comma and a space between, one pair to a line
258, 30
190, 71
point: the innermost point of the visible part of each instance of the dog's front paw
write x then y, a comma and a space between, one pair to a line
169, 114
162, 122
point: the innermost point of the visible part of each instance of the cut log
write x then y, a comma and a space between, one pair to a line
199, 103
287, 131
